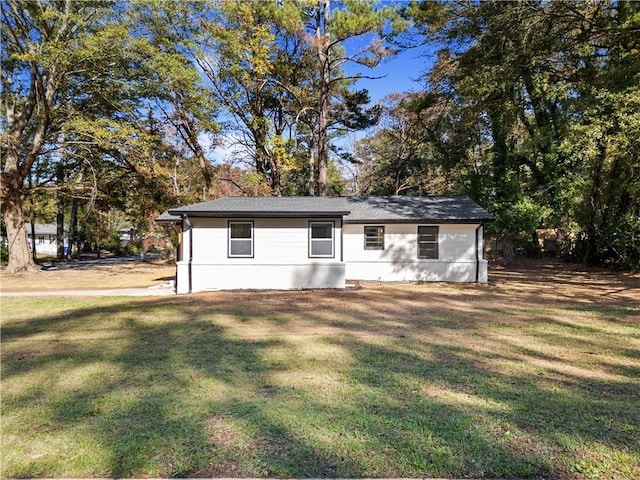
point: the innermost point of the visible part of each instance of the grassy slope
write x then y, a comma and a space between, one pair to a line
537, 375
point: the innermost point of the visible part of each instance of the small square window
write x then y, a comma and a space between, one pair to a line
321, 239
240, 239
374, 238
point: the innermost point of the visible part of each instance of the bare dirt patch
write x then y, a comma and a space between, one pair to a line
91, 277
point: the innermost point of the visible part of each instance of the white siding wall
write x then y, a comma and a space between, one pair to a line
399, 260
280, 257
46, 244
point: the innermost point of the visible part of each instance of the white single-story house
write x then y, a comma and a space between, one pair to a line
320, 242
46, 235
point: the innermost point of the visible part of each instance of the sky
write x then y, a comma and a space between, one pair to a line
401, 73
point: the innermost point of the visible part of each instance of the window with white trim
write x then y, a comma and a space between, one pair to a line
428, 242
240, 239
321, 239
374, 237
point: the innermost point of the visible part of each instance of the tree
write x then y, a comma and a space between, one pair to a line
37, 60
179, 103
399, 158
331, 28
255, 63
605, 203
538, 93
74, 82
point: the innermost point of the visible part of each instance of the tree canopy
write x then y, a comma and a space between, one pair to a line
113, 110
531, 109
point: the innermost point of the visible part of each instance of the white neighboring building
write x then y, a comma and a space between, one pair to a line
46, 235
316, 242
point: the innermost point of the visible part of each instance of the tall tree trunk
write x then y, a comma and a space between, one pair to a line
32, 217
207, 174
276, 179
73, 228
60, 211
33, 236
323, 154
19, 158
20, 259
323, 42
594, 206
264, 164
311, 184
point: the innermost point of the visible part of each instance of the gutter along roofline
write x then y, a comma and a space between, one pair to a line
259, 214
434, 221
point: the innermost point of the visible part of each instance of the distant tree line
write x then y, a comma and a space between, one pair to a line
112, 111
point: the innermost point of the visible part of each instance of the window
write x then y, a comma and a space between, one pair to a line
374, 238
428, 242
321, 239
241, 239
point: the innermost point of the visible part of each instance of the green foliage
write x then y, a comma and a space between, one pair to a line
621, 242
4, 253
99, 73
532, 108
133, 248
112, 243
336, 182
521, 217
541, 122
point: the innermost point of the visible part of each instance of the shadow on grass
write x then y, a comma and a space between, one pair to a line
285, 384
143, 416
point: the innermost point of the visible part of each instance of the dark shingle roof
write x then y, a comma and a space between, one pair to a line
166, 217
45, 228
266, 207
388, 209
449, 208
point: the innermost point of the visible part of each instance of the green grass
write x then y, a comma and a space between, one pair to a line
412, 380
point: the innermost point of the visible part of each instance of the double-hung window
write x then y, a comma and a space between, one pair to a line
240, 239
321, 239
374, 238
428, 242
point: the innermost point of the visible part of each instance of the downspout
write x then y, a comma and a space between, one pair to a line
178, 228
478, 254
186, 221
341, 239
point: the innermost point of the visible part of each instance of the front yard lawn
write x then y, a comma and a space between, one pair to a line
537, 375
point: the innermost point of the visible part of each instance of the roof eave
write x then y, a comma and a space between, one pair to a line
421, 220
244, 214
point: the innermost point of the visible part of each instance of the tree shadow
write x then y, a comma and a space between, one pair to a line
381, 381
141, 416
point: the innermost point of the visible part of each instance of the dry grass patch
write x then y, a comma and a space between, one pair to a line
132, 274
536, 375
